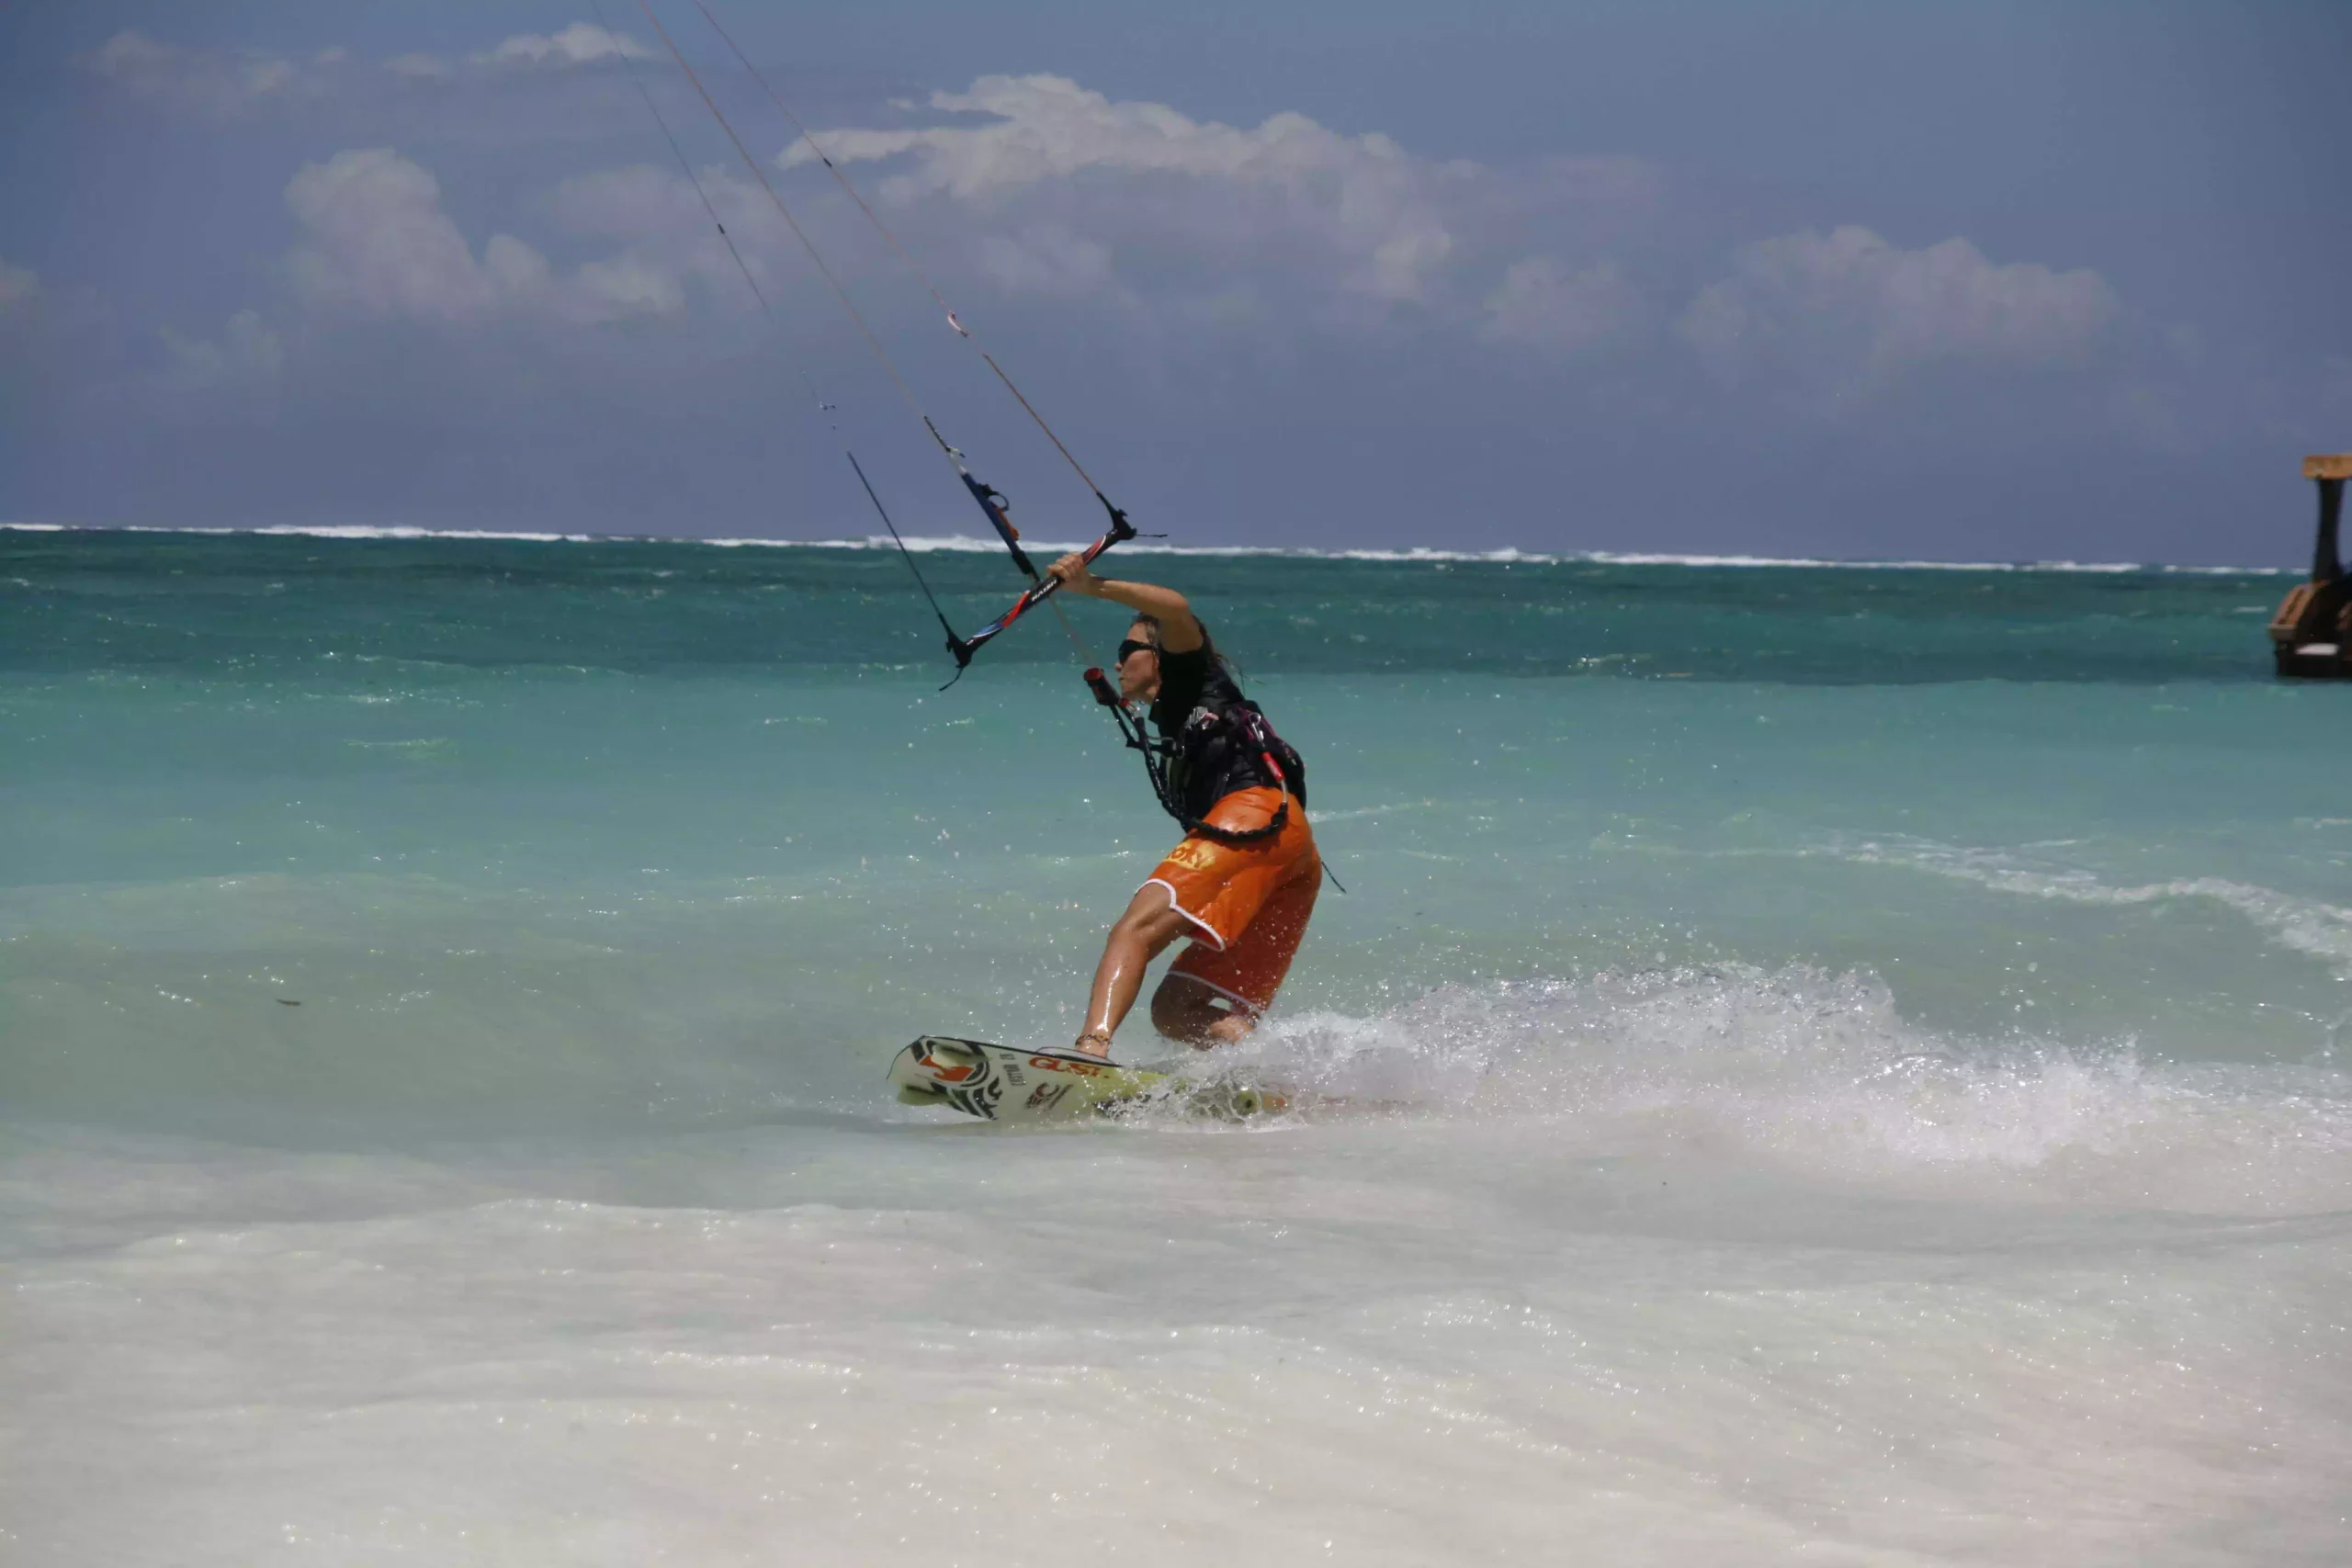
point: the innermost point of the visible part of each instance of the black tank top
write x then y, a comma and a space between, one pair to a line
1209, 754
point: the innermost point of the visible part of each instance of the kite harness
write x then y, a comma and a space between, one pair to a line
1225, 743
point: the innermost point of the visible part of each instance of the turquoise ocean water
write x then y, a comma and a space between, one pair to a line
1823, 1064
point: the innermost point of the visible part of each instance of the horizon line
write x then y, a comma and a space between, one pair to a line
966, 543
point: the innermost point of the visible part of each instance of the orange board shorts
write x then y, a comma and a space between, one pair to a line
1248, 902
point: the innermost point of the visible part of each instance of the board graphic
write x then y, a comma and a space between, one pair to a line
1000, 1083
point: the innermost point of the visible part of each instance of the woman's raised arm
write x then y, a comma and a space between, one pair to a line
1178, 632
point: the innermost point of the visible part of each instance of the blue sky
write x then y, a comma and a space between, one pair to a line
2062, 280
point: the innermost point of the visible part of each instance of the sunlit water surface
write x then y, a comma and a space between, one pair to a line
1812, 1065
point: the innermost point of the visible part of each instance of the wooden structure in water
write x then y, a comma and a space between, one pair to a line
2311, 633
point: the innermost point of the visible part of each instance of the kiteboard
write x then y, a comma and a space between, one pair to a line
1001, 1083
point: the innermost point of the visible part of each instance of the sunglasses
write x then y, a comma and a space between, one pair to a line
1127, 649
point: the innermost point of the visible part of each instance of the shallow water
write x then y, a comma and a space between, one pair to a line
1813, 1065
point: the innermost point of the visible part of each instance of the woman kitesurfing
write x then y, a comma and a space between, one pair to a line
1243, 882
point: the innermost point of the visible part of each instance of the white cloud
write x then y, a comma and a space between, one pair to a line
376, 245
514, 270
376, 241
1356, 214
1050, 127
421, 67
375, 237
1046, 260
241, 83
656, 214
1541, 304
250, 349
1050, 190
640, 202
213, 83
630, 286
579, 44
1834, 312
130, 56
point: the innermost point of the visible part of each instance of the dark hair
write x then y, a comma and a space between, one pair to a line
1208, 644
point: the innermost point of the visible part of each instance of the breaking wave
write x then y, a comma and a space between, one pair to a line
1819, 1072
2308, 926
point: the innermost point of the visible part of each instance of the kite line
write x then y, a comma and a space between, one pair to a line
991, 500
825, 410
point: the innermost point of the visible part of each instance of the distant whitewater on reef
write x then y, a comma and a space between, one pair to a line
926, 544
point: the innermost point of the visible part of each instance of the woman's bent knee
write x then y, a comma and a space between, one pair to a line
1185, 1010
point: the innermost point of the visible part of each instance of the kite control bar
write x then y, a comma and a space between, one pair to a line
963, 648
